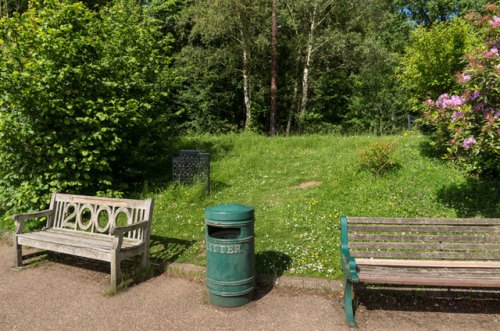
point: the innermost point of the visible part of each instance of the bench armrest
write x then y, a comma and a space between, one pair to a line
120, 230
20, 219
348, 261
349, 268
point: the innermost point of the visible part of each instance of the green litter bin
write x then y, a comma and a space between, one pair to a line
229, 234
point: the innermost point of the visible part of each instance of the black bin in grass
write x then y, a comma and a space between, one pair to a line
191, 165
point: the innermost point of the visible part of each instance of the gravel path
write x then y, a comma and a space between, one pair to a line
56, 296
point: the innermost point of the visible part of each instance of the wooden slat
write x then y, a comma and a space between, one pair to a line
97, 236
488, 238
425, 246
418, 221
426, 281
423, 263
416, 228
115, 202
77, 251
486, 273
425, 255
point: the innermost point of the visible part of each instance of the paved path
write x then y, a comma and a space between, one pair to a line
55, 296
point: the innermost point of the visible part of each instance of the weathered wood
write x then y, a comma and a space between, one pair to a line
424, 281
429, 238
416, 228
426, 246
427, 263
74, 226
426, 255
421, 252
420, 221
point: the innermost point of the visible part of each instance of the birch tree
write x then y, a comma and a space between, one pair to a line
237, 21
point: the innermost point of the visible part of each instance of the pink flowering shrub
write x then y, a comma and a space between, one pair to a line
467, 124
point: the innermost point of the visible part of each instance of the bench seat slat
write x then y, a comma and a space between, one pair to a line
431, 272
424, 263
422, 228
431, 221
428, 238
426, 281
357, 253
58, 240
426, 246
430, 276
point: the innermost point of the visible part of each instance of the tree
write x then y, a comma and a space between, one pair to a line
84, 100
274, 68
432, 58
235, 22
429, 12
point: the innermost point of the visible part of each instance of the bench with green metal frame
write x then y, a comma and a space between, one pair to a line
418, 252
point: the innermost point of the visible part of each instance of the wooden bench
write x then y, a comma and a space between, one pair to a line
419, 252
86, 226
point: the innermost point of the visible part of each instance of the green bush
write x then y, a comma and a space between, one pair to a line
467, 125
378, 158
82, 102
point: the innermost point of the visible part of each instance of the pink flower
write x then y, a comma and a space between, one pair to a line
475, 95
491, 54
440, 101
456, 115
429, 103
464, 78
479, 106
469, 142
454, 102
495, 22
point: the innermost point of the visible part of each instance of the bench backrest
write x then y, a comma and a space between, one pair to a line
98, 214
425, 238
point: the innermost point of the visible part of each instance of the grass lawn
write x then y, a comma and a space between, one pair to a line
300, 186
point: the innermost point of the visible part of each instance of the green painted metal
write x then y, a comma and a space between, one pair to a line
229, 236
350, 274
348, 262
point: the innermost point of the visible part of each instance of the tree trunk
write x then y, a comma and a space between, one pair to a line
307, 64
294, 107
246, 92
274, 70
246, 83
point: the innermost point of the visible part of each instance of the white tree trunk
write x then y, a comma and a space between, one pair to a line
307, 64
246, 91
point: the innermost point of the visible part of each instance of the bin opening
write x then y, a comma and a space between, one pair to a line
223, 233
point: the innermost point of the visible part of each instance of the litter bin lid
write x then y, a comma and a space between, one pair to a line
229, 212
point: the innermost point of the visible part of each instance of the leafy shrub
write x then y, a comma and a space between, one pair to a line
432, 57
82, 101
378, 158
467, 124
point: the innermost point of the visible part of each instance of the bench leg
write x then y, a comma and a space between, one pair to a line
348, 303
18, 257
115, 272
145, 259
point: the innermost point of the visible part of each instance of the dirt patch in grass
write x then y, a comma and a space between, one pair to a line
312, 183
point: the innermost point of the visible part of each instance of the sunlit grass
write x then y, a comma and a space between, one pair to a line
299, 186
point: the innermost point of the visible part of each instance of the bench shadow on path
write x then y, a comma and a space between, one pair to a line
163, 250
477, 301
269, 265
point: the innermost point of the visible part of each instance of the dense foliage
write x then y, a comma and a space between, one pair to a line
467, 124
91, 91
82, 100
432, 58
